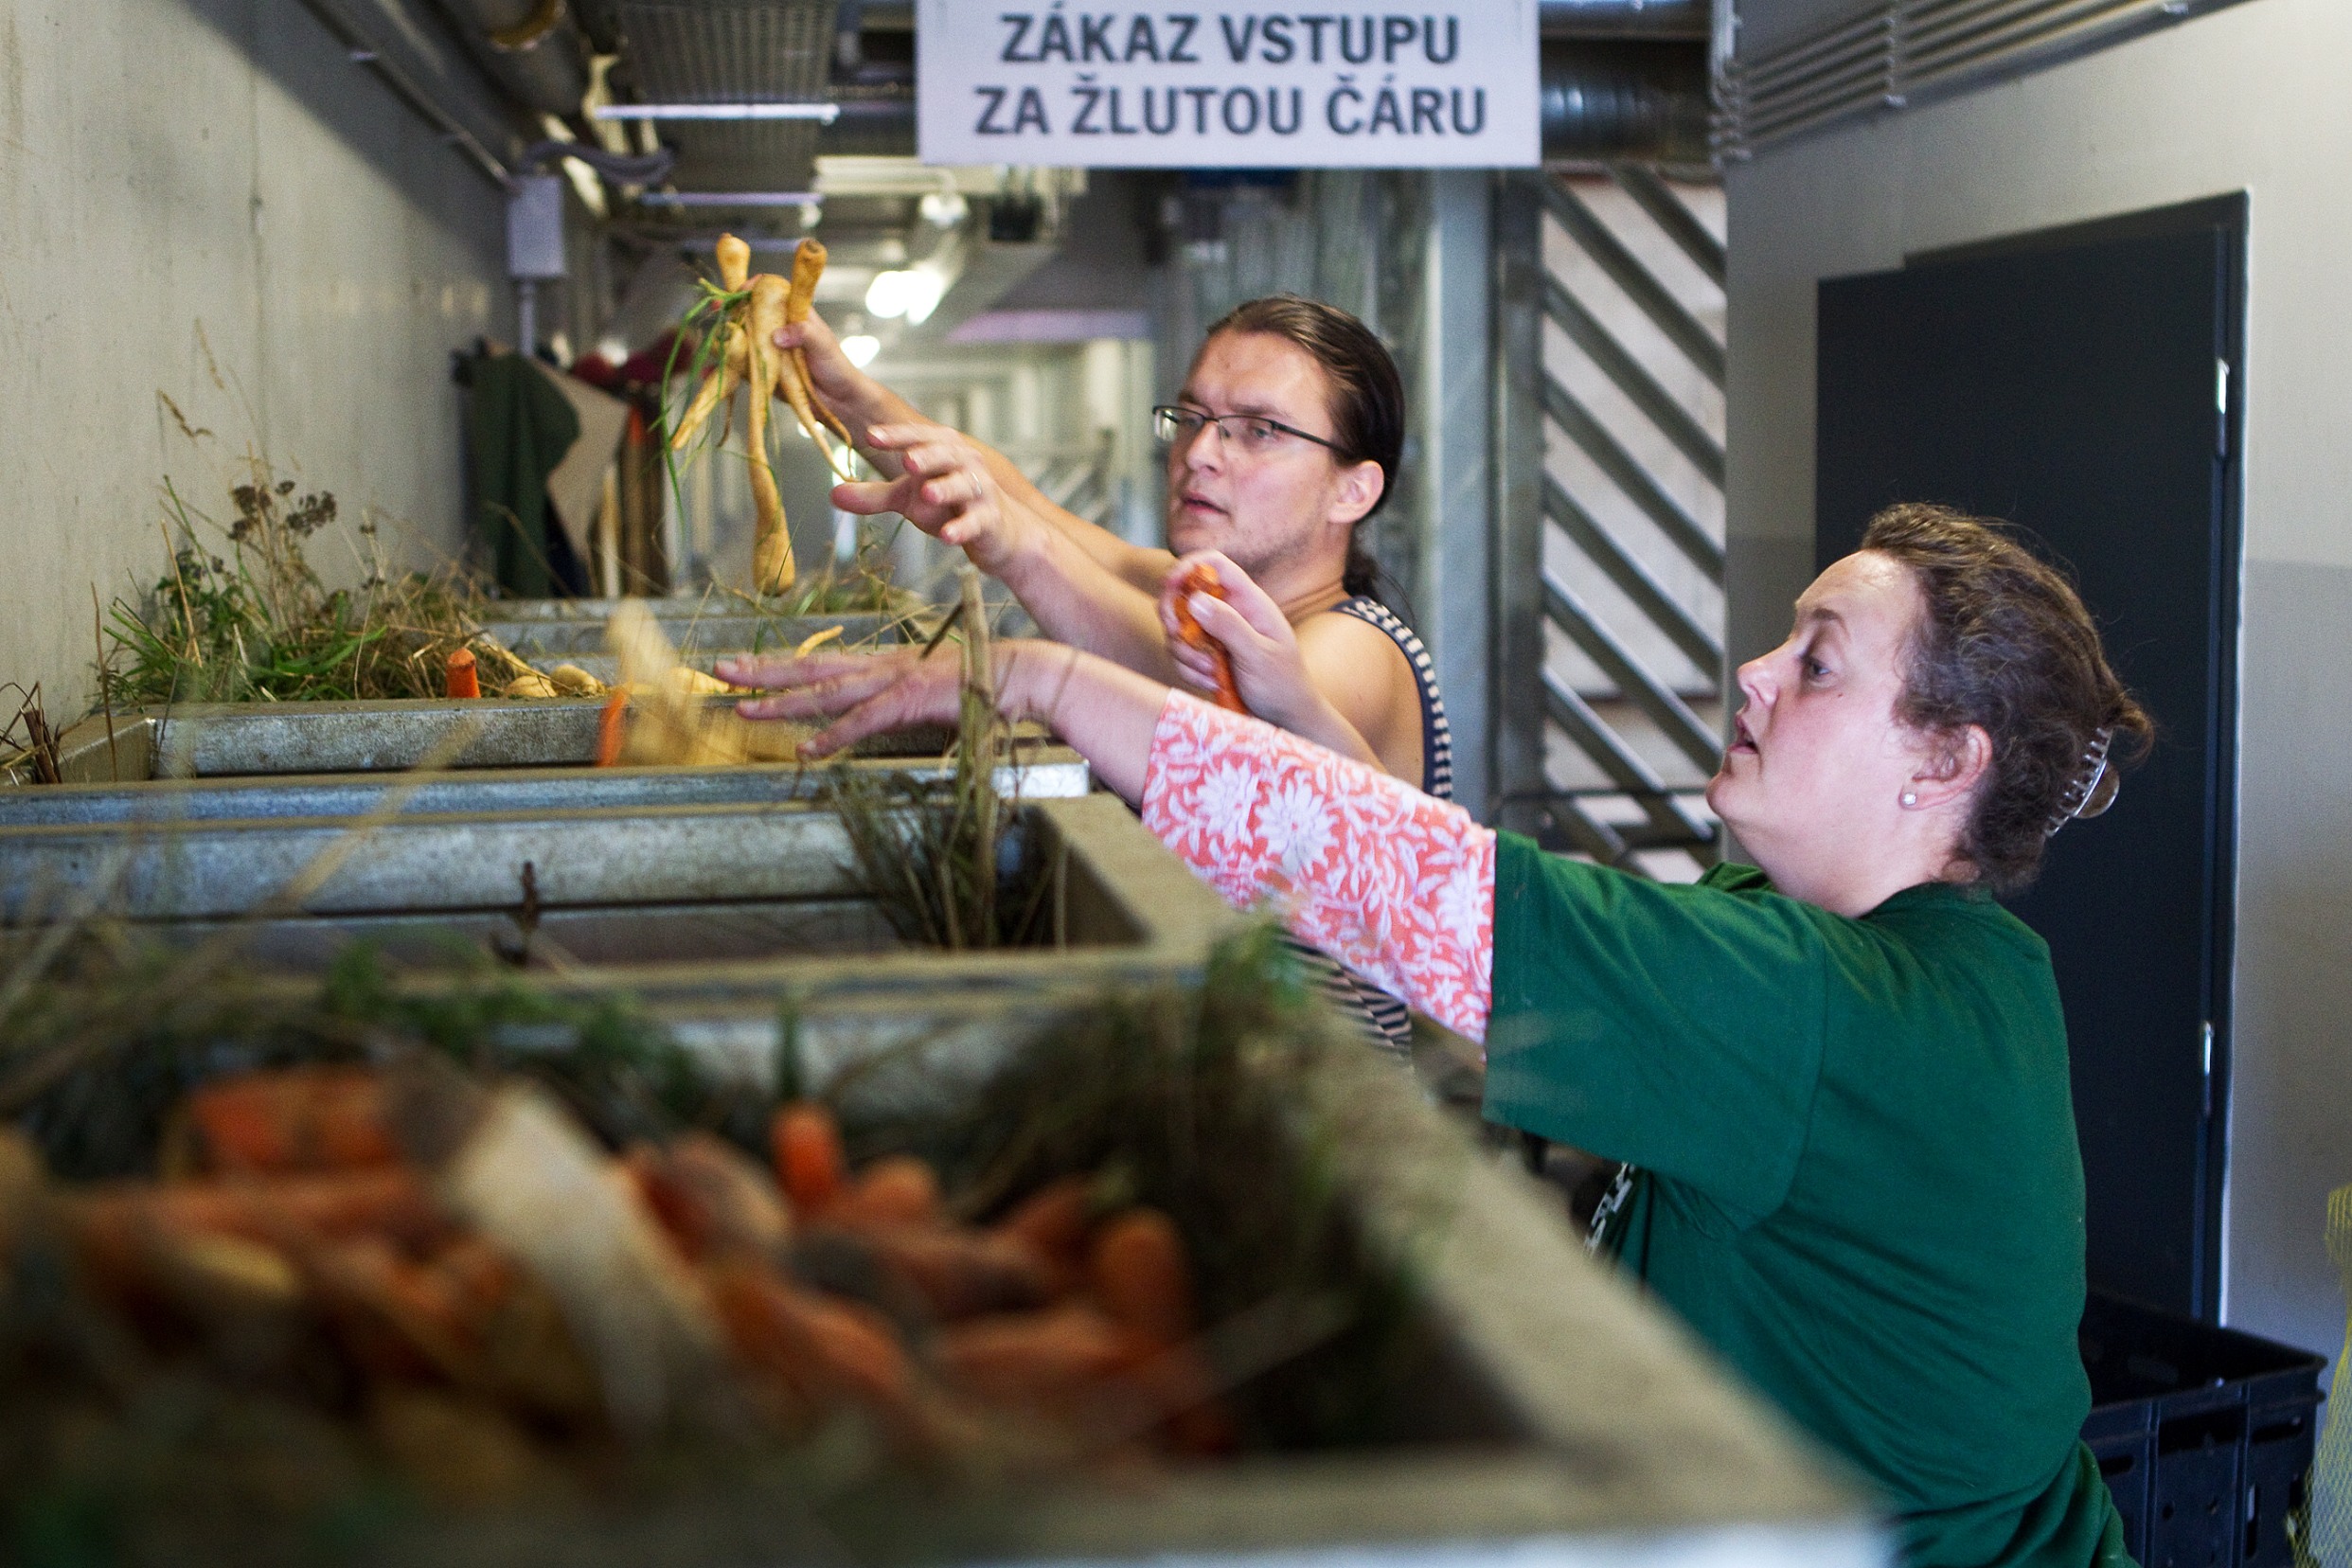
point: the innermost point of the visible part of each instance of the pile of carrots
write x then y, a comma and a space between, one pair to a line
344, 1209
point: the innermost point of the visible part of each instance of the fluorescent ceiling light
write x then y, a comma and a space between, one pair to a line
923, 293
889, 294
860, 348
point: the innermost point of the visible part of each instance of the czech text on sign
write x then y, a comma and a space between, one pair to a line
1059, 83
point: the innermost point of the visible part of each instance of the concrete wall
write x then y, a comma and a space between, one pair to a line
2248, 99
192, 185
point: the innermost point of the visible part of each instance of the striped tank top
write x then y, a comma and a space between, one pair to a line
1386, 1022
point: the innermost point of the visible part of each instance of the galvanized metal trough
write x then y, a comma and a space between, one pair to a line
744, 898
1037, 773
572, 632
1535, 1413
243, 739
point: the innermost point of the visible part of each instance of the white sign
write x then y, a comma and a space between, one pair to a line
1004, 82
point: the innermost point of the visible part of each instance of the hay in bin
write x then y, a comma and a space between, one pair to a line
259, 624
941, 858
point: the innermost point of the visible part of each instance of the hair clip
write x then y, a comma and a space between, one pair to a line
2093, 790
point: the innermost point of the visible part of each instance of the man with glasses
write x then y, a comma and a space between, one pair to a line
1286, 437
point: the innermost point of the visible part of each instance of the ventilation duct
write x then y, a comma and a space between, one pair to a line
1895, 53
1614, 100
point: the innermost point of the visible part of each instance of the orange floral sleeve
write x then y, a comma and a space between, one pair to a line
1394, 885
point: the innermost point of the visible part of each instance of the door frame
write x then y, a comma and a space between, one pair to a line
2227, 218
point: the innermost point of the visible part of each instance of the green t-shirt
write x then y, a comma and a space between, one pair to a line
1859, 1182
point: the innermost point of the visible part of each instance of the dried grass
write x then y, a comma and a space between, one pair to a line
259, 624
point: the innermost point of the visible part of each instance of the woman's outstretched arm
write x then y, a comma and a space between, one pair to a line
1394, 885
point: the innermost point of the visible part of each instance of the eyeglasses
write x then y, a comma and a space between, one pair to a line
1250, 433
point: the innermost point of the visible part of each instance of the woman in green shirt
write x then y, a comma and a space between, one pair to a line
1840, 1074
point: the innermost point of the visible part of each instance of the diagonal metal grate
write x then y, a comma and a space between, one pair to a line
1631, 559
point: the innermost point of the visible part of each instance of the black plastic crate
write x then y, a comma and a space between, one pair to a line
2204, 1434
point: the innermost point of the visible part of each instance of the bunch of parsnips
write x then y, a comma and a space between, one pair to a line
743, 313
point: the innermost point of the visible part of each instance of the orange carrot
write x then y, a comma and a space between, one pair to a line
611, 726
823, 1346
960, 1274
1033, 1359
459, 677
477, 1272
809, 1165
396, 1318
1141, 1276
1053, 1223
297, 1118
391, 1200
1203, 580
114, 1225
709, 1198
898, 1189
1179, 1385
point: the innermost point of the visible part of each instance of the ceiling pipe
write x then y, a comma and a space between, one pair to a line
426, 69
532, 49
1650, 19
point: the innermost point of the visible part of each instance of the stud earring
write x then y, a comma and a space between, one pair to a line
1910, 799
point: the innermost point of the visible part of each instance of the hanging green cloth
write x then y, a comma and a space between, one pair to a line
519, 427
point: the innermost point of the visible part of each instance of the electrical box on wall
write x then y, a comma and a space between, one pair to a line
535, 227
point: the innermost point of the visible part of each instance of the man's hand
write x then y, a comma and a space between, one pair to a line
853, 394
947, 489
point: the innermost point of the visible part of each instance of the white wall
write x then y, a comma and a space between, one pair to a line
175, 174
2248, 99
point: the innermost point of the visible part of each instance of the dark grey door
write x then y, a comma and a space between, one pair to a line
2081, 383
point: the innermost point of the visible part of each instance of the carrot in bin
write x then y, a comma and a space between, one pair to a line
824, 1346
294, 1118
1203, 580
1034, 1359
898, 1189
610, 728
809, 1165
460, 677
1053, 1223
1142, 1278
1143, 1281
961, 1273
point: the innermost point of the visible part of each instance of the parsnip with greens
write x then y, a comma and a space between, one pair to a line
740, 351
